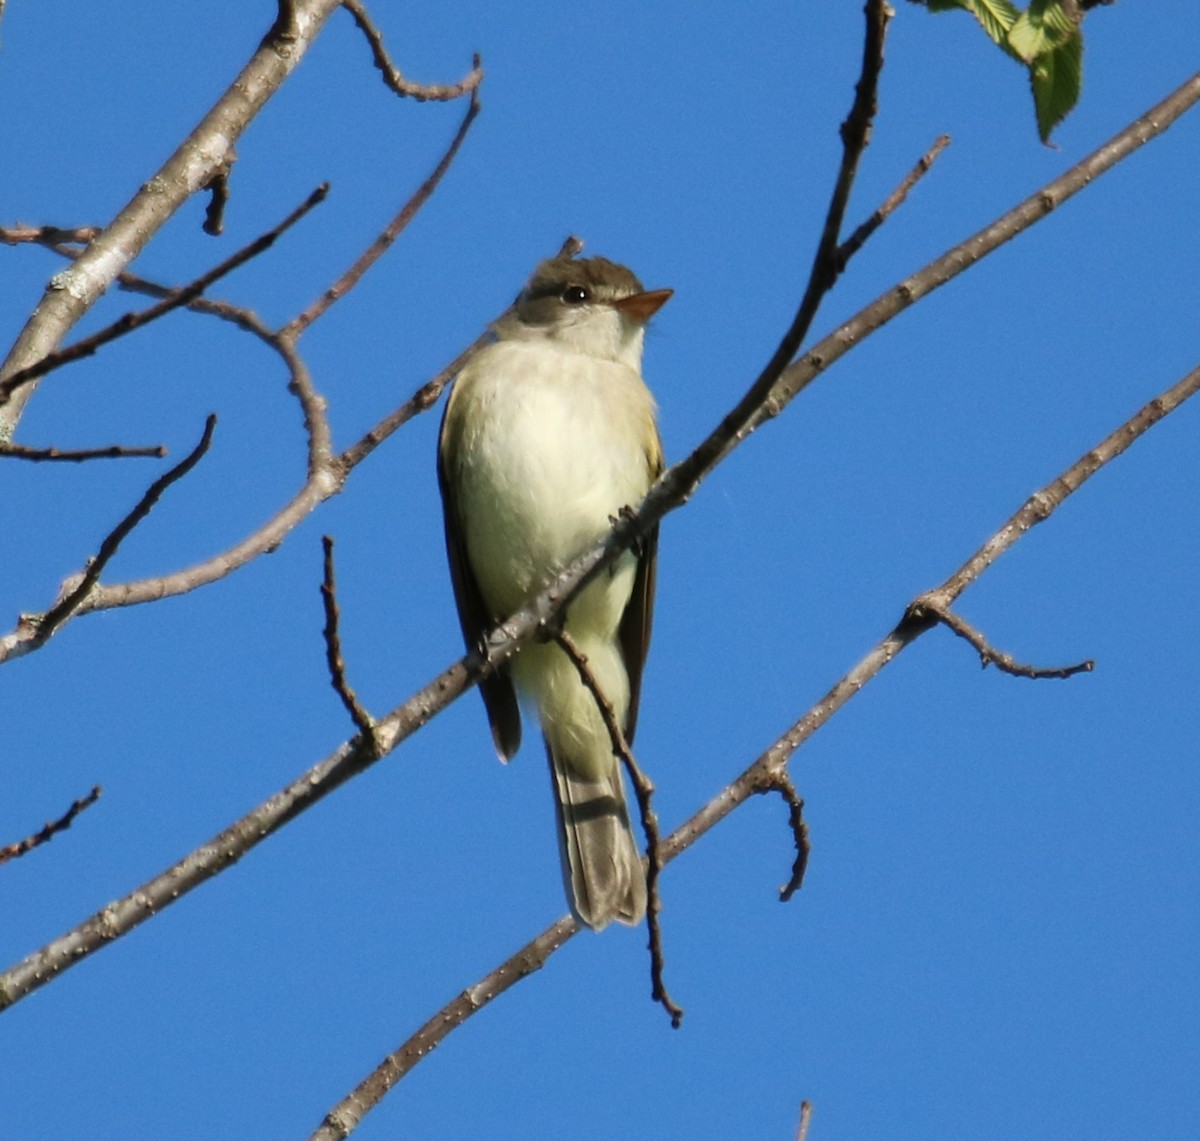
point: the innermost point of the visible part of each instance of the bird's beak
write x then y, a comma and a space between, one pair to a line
643, 306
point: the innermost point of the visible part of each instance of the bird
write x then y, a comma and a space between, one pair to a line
548, 435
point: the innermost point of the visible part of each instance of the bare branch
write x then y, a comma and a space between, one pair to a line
391, 74
347, 1115
218, 189
363, 721
50, 829
805, 1121
1039, 507
421, 401
570, 247
326, 472
393, 230
112, 452
924, 609
51, 236
46, 624
243, 318
644, 790
779, 781
326, 477
858, 239
177, 298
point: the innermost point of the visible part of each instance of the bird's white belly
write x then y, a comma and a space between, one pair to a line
558, 451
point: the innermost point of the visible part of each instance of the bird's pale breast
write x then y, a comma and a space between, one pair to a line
556, 447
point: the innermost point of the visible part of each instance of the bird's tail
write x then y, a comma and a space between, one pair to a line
602, 867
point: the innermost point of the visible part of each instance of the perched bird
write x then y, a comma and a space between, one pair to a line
548, 434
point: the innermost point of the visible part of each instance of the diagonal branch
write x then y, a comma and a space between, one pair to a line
50, 829
175, 299
893, 202
392, 231
1038, 508
421, 401
45, 625
347, 1115
49, 236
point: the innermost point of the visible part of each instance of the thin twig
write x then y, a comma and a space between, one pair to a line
439, 92
180, 297
50, 829
779, 781
391, 232
421, 401
239, 315
47, 623
50, 236
926, 608
244, 318
112, 452
644, 790
570, 247
805, 1121
363, 721
347, 1115
858, 239
218, 190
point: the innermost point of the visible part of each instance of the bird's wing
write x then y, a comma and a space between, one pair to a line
634, 631
499, 696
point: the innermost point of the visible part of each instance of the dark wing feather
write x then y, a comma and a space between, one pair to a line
499, 696
634, 631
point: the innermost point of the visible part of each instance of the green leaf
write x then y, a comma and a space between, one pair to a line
1041, 29
1056, 77
995, 16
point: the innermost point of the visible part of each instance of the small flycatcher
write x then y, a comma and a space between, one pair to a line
548, 433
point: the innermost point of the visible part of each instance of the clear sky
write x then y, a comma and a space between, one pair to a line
998, 933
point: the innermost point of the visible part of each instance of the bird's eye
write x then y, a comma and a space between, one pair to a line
574, 295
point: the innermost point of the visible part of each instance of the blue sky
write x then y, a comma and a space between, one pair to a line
998, 932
